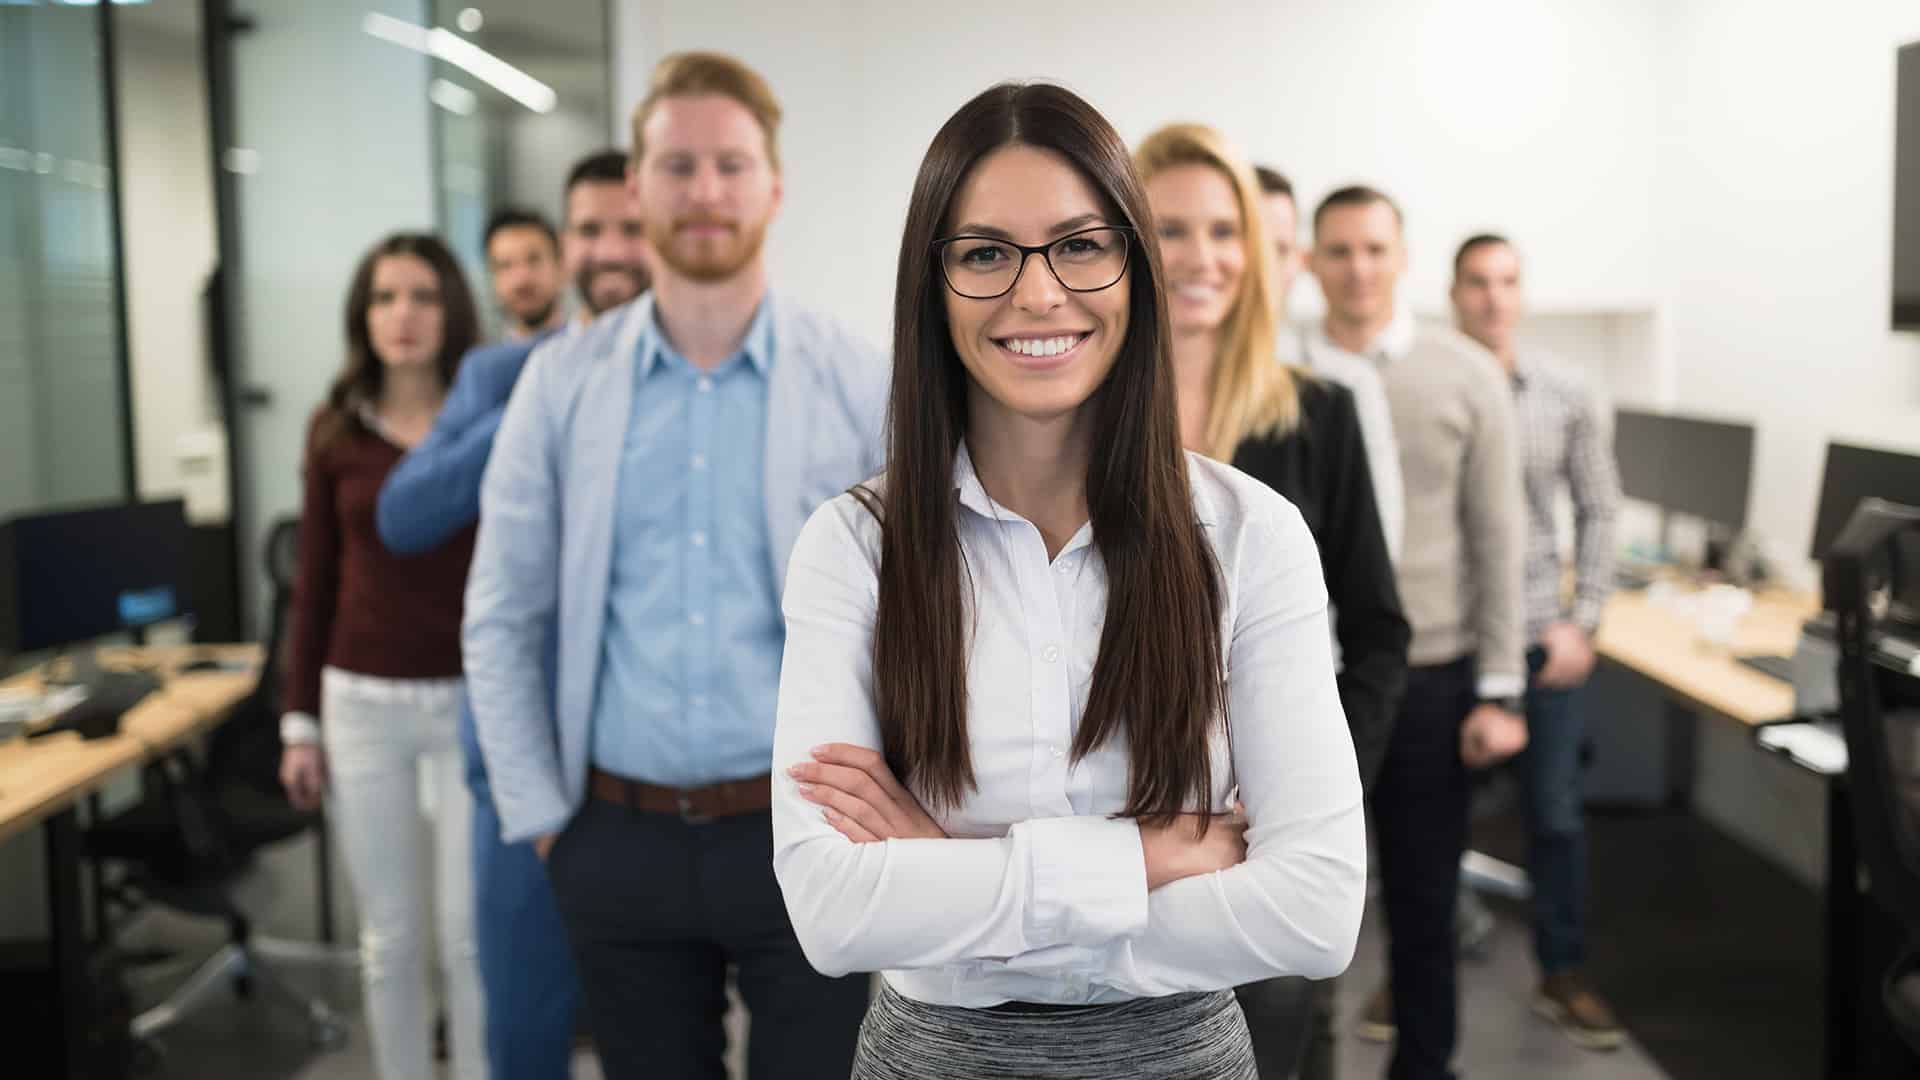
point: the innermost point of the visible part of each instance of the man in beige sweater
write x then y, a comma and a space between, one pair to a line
1460, 577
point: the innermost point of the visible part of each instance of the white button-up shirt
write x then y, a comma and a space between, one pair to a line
1361, 375
1041, 895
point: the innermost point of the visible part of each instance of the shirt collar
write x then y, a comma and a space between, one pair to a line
1525, 369
370, 417
1396, 340
1393, 342
967, 488
757, 344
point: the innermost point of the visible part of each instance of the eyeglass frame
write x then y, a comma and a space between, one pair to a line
1027, 251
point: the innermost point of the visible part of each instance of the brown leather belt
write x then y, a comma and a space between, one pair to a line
696, 806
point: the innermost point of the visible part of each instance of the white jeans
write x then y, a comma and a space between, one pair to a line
383, 738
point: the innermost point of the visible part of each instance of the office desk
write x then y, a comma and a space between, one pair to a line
42, 782
1665, 647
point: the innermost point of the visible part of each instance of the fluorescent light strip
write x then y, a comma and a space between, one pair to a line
465, 55
452, 97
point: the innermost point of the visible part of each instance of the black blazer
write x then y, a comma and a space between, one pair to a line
1321, 467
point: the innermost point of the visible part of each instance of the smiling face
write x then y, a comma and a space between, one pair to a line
1041, 350
1202, 245
605, 247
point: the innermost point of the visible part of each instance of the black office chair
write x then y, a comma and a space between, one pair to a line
196, 829
1873, 588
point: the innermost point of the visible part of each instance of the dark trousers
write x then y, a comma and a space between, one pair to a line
1557, 830
657, 910
1420, 825
1291, 1021
526, 972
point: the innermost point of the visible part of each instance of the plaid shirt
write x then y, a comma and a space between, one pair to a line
1565, 438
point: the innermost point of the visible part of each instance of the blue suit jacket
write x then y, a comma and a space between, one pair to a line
435, 490
544, 556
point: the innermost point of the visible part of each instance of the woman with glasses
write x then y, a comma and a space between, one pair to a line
1300, 436
1029, 667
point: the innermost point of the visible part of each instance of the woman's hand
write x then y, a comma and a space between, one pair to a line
861, 797
303, 772
1172, 852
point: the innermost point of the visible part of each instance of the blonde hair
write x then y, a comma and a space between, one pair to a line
688, 73
1252, 392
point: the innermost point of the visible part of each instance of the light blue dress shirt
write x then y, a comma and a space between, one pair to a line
690, 660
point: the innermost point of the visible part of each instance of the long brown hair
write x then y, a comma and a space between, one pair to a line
363, 376
1251, 392
1159, 680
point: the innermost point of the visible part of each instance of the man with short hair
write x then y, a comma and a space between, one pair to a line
1369, 396
605, 243
1566, 443
1460, 578
523, 259
651, 475
526, 970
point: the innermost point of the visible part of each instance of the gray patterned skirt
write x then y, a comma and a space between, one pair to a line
1184, 1037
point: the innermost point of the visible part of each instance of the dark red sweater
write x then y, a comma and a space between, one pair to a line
356, 605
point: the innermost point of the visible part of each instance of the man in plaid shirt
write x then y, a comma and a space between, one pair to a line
1565, 441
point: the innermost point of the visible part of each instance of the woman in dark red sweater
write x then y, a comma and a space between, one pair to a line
373, 689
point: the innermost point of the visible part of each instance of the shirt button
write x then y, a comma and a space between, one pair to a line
699, 539
697, 619
699, 461
706, 385
1050, 654
1056, 751
699, 701
1063, 568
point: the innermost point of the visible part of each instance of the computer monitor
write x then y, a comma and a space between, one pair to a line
1639, 445
1710, 472
1858, 472
72, 576
1688, 465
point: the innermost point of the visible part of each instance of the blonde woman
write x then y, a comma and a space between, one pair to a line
1298, 434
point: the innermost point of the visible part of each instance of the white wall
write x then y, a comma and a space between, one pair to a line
541, 150
1775, 174
1419, 96
166, 199
1709, 182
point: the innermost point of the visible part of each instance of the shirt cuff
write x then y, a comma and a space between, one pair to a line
299, 729
1586, 613
552, 821
1496, 685
1089, 880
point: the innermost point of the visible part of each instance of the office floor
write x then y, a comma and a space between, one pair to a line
1709, 952
1501, 1038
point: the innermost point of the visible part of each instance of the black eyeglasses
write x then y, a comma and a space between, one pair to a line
985, 268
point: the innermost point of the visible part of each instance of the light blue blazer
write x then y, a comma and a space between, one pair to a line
547, 502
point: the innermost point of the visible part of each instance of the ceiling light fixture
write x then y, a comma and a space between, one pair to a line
443, 44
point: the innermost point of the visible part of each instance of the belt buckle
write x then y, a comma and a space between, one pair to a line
686, 811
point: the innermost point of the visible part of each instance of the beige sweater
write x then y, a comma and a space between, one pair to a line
1462, 561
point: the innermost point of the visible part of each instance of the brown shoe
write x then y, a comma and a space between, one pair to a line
1567, 1000
1376, 1022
